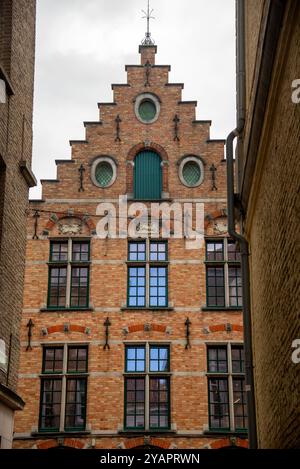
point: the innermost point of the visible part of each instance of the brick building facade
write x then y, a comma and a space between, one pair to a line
17, 46
129, 334
268, 190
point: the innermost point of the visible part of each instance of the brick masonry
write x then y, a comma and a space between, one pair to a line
108, 281
272, 228
17, 45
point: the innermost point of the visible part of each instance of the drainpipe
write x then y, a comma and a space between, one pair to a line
244, 248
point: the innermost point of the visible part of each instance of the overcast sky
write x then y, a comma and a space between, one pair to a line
83, 45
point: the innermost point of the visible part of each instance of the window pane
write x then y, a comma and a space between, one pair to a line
215, 286
214, 251
134, 403
218, 403
75, 404
137, 251
57, 286
235, 283
136, 283
217, 360
158, 251
79, 287
50, 404
233, 251
158, 278
239, 401
53, 360
80, 251
59, 251
77, 359
135, 359
159, 402
159, 358
237, 358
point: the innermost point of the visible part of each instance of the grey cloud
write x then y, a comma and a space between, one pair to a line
83, 45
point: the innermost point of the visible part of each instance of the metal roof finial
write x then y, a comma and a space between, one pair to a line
148, 41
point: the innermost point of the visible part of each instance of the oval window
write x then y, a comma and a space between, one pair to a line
104, 173
191, 173
147, 110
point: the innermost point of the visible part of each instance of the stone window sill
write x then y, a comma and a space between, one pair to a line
222, 308
63, 310
141, 308
66, 433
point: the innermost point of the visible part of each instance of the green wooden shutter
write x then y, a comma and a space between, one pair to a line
147, 176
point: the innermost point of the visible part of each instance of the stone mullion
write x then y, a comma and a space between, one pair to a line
226, 273
147, 390
69, 274
147, 272
230, 388
63, 390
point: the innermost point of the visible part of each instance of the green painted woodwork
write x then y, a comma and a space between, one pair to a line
147, 176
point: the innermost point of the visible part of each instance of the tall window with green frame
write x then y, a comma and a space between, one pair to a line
69, 267
147, 387
223, 274
226, 388
63, 388
147, 274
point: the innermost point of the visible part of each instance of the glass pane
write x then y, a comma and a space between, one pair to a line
237, 354
104, 173
57, 286
233, 251
147, 110
191, 173
240, 406
218, 403
235, 282
159, 358
136, 296
53, 360
140, 353
130, 353
137, 251
77, 359
214, 251
153, 365
158, 296
80, 251
59, 251
159, 407
140, 421
215, 286
135, 359
79, 290
158, 251
50, 404
135, 403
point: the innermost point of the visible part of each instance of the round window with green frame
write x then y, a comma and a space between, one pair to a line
103, 171
147, 108
191, 171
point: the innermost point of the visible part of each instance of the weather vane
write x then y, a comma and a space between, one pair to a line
148, 41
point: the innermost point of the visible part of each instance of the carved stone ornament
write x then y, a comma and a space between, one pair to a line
220, 226
70, 229
146, 228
